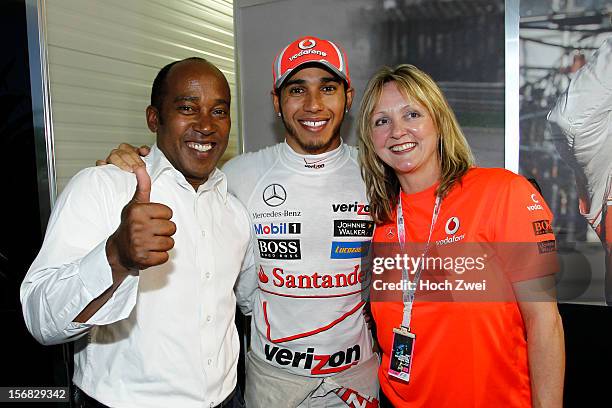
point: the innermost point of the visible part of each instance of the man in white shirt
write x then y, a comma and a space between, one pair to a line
310, 346
582, 131
145, 288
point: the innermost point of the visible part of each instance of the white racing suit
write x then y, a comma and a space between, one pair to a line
583, 117
309, 342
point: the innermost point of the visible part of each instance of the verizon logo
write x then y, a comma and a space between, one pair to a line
359, 208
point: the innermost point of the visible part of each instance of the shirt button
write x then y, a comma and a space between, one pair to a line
208, 318
203, 233
208, 274
209, 361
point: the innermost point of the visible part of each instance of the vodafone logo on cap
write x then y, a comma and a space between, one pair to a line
307, 52
307, 44
452, 225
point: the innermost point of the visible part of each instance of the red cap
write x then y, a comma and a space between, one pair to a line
309, 50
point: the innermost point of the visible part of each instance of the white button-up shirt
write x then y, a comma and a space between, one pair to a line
167, 337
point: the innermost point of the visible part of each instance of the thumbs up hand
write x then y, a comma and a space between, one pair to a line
143, 186
144, 236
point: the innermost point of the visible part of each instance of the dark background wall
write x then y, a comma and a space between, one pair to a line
24, 361
588, 350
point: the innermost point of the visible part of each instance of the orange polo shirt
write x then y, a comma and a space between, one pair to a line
469, 353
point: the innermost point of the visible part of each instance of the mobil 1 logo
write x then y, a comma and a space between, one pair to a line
279, 248
278, 228
353, 228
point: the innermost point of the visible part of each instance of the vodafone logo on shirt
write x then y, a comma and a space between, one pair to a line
451, 228
536, 206
452, 225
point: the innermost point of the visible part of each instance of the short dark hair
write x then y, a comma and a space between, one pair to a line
158, 91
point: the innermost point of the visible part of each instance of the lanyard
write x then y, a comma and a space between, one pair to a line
409, 294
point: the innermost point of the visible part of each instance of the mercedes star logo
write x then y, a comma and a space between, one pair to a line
274, 195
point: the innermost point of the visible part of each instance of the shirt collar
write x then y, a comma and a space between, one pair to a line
218, 181
157, 164
314, 163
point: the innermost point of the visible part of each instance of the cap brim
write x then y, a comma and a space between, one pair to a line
279, 82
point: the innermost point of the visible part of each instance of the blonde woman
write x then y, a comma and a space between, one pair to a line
424, 188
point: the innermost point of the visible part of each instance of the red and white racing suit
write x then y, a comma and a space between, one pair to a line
583, 114
311, 224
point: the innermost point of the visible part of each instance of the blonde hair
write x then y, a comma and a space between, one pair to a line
454, 154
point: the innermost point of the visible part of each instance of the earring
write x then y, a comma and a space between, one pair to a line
346, 111
278, 114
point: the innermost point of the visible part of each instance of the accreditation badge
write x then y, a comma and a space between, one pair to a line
401, 354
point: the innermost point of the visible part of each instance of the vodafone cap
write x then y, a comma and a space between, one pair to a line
309, 50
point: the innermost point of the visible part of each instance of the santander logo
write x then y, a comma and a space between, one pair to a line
263, 278
316, 280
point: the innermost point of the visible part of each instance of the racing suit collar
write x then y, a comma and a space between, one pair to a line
316, 163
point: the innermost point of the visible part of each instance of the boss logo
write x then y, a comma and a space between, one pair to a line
542, 227
279, 248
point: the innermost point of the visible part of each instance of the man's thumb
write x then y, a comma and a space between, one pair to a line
143, 185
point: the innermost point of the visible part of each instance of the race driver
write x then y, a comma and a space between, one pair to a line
582, 130
310, 346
